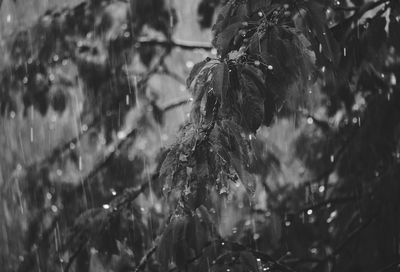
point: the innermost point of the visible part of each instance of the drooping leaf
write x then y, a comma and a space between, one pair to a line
220, 81
195, 72
315, 27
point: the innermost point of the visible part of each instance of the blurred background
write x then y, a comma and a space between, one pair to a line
92, 93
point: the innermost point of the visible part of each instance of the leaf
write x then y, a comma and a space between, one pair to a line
220, 81
247, 179
168, 168
322, 34
223, 40
195, 71
200, 89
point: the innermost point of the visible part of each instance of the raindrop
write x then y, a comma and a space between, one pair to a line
270, 67
121, 135
25, 80
287, 223
260, 14
49, 196
106, 206
214, 51
345, 51
31, 134
54, 208
332, 158
331, 217
59, 172
84, 127
55, 58
321, 188
257, 63
309, 212
12, 114
256, 236
393, 79
189, 64
310, 120
8, 18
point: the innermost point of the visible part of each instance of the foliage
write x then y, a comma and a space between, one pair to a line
222, 197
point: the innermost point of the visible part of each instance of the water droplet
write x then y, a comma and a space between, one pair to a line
257, 63
54, 208
106, 206
310, 120
393, 79
270, 67
121, 135
189, 64
8, 18
309, 212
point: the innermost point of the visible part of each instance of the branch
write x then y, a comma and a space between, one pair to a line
176, 103
338, 200
261, 255
187, 45
145, 259
348, 239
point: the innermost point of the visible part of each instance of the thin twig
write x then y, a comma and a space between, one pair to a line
145, 258
187, 45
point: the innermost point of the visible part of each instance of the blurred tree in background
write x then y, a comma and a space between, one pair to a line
131, 142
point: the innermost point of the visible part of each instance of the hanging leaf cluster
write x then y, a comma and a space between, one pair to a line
261, 56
